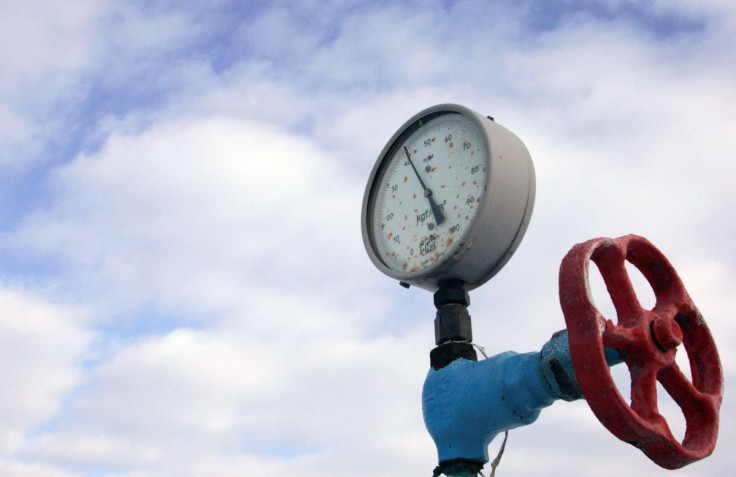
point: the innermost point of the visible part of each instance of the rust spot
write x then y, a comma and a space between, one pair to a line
390, 234
450, 145
406, 178
405, 265
413, 196
478, 200
472, 153
463, 184
383, 226
434, 139
433, 169
442, 186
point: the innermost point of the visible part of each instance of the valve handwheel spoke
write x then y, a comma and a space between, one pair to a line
644, 393
610, 261
682, 390
698, 407
622, 339
647, 341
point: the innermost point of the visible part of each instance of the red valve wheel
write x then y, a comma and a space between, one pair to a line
647, 341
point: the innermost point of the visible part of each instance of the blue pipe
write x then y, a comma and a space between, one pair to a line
468, 403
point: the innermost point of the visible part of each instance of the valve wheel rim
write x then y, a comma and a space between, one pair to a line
647, 340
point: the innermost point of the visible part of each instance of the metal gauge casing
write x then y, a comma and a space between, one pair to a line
450, 197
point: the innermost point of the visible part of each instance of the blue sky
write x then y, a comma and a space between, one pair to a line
183, 285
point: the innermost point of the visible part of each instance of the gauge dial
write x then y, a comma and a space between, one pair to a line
449, 197
429, 194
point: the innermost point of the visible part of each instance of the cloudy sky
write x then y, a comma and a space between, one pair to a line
183, 284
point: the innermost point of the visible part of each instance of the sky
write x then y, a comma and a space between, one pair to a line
183, 284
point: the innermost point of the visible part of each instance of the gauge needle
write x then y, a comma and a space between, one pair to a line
438, 216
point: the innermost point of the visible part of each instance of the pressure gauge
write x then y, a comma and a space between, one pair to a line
449, 197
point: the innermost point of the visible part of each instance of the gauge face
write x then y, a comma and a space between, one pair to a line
449, 198
429, 192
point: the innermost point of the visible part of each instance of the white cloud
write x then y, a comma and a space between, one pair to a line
194, 396
19, 469
44, 48
191, 211
33, 33
41, 347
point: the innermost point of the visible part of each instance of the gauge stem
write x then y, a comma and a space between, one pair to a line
436, 212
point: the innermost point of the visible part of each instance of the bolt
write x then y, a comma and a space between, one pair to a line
667, 333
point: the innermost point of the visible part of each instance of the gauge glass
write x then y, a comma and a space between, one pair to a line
430, 190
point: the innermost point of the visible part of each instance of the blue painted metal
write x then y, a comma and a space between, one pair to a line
467, 403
